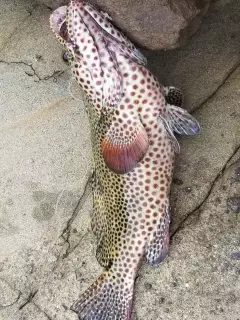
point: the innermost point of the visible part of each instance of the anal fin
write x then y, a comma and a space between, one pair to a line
98, 216
158, 246
103, 252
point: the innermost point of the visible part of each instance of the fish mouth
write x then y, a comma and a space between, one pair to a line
58, 22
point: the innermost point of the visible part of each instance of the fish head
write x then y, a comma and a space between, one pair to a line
91, 42
79, 22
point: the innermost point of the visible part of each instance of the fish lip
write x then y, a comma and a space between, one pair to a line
57, 19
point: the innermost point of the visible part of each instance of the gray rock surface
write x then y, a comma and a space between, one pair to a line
203, 65
152, 24
53, 4
46, 246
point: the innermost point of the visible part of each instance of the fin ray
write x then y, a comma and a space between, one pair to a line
102, 252
158, 246
171, 135
123, 147
181, 121
98, 219
99, 223
102, 302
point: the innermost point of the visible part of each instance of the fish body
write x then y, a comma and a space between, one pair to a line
132, 119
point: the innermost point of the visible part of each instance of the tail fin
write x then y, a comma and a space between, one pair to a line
107, 298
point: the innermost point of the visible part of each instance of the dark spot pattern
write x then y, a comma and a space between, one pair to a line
130, 215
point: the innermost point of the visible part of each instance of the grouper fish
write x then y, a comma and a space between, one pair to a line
132, 119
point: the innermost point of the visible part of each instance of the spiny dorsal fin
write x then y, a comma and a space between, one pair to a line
173, 96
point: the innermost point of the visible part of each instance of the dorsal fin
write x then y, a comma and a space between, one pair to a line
173, 96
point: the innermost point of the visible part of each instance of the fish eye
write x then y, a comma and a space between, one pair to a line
65, 57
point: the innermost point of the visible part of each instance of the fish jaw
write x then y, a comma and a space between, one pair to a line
58, 26
57, 18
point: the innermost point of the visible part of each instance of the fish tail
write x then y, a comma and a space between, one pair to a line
107, 298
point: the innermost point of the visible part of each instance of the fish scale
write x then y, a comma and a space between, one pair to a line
132, 118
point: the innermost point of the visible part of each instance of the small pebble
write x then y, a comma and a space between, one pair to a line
177, 181
188, 189
237, 174
233, 205
38, 57
65, 57
218, 200
148, 286
162, 300
235, 255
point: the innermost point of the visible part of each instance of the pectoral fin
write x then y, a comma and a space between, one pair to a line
124, 145
171, 136
181, 121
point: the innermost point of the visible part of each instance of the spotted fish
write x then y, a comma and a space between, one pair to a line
133, 119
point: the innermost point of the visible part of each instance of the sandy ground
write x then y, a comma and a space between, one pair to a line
46, 246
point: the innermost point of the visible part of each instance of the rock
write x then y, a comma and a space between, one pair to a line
8, 296
53, 4
152, 24
237, 175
